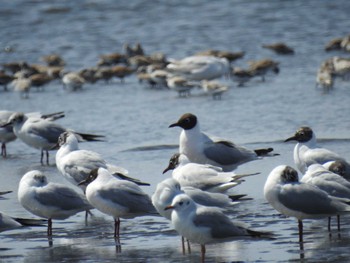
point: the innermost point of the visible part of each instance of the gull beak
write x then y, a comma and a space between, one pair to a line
293, 138
167, 169
173, 125
84, 182
5, 125
55, 147
169, 207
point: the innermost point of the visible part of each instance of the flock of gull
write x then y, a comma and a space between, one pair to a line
194, 199
201, 71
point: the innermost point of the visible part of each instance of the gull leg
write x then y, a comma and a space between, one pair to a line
49, 227
116, 227
203, 253
188, 246
3, 150
300, 225
42, 157
47, 157
183, 245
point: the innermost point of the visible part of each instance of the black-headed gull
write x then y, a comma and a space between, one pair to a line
6, 130
116, 197
49, 200
76, 164
202, 176
41, 133
301, 200
202, 224
330, 182
201, 148
167, 189
306, 151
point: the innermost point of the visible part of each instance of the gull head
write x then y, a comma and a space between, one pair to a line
289, 175
34, 178
303, 134
64, 138
92, 176
186, 121
173, 162
181, 203
337, 167
17, 117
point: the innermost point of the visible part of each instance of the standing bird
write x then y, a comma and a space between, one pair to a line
73, 81
49, 200
292, 198
204, 225
332, 183
76, 164
116, 197
200, 148
262, 67
306, 151
6, 132
41, 133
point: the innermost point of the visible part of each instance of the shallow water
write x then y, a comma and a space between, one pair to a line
135, 118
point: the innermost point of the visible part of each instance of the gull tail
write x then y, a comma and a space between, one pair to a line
5, 192
259, 234
236, 177
31, 222
265, 152
53, 116
134, 180
90, 137
239, 197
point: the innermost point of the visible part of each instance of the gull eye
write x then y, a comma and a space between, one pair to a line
181, 203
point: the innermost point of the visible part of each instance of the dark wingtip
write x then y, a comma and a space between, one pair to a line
263, 151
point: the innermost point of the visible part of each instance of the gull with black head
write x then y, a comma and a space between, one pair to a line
307, 152
289, 196
204, 149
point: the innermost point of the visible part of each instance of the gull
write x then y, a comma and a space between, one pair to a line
202, 224
22, 84
167, 189
6, 131
306, 151
76, 164
41, 133
49, 200
203, 149
202, 176
332, 183
200, 67
301, 200
116, 197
